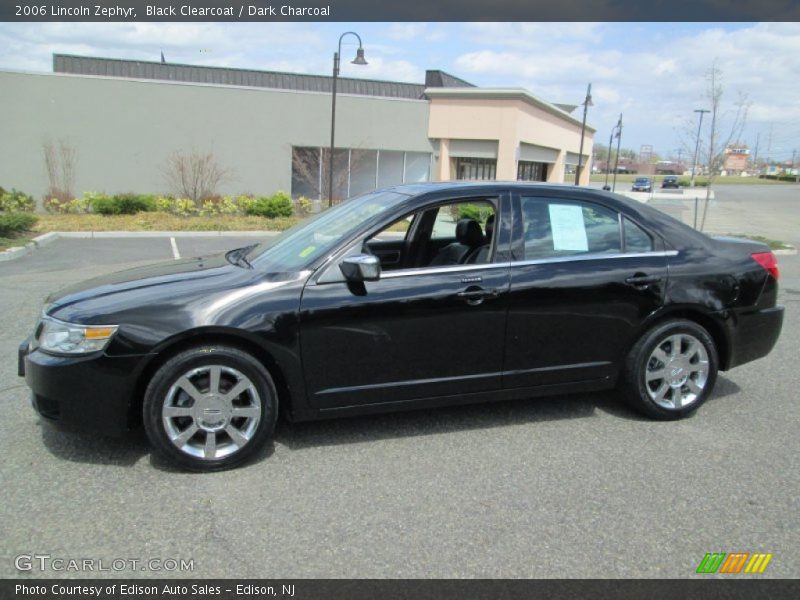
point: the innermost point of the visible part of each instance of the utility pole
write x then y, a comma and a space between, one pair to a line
586, 104
769, 145
680, 155
702, 111
608, 158
616, 163
755, 154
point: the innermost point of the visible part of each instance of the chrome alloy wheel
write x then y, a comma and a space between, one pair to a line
211, 412
677, 371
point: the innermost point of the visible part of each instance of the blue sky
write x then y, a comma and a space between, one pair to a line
654, 73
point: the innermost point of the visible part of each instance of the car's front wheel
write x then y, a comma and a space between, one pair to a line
210, 407
671, 370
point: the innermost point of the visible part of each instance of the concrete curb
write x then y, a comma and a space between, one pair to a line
48, 238
20, 251
157, 234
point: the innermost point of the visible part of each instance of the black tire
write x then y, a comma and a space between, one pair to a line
640, 362
233, 368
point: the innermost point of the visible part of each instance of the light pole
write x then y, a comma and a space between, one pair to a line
607, 187
358, 60
616, 162
586, 104
702, 111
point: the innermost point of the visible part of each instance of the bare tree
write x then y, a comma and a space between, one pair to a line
717, 141
195, 175
311, 165
59, 162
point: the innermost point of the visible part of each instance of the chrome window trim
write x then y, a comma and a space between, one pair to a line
523, 263
595, 256
442, 270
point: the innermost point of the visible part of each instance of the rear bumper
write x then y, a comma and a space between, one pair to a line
92, 393
754, 335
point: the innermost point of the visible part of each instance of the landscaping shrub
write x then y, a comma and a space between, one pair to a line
121, 204
16, 201
75, 206
303, 206
278, 205
473, 211
15, 222
185, 207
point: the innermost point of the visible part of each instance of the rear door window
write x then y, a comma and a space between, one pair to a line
555, 227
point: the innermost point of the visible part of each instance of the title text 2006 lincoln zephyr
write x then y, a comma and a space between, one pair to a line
415, 296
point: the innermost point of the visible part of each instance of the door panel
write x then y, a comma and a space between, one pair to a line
420, 334
574, 320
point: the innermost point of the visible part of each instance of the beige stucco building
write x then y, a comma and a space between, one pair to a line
523, 136
123, 119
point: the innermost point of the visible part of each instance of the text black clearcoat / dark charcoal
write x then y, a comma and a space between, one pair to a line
411, 338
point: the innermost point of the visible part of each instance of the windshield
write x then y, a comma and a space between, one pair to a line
642, 180
315, 237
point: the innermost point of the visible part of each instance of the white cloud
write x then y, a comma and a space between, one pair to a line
656, 83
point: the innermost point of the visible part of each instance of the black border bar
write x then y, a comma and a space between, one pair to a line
391, 589
430, 10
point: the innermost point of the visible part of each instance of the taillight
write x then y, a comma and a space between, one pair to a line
768, 261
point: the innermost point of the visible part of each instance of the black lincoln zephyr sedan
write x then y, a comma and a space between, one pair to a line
415, 296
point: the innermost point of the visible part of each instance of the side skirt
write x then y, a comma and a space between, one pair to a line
593, 385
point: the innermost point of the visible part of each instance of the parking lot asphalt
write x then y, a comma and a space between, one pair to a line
556, 487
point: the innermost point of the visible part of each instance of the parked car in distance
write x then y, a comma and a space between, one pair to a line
416, 296
670, 181
642, 184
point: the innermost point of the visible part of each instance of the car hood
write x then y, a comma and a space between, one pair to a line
142, 279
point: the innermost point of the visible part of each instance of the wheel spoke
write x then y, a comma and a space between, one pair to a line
661, 392
694, 386
213, 379
187, 386
210, 449
675, 343
676, 397
660, 355
699, 367
182, 438
236, 390
177, 411
245, 411
238, 438
692, 349
655, 375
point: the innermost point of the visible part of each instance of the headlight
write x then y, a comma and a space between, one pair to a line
66, 338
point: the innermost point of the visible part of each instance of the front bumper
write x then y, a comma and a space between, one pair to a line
754, 335
94, 392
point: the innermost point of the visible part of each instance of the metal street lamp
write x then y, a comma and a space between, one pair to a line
358, 60
616, 163
586, 104
608, 155
702, 111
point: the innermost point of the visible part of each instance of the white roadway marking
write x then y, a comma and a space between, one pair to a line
175, 252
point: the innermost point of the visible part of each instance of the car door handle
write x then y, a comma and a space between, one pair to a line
642, 279
475, 296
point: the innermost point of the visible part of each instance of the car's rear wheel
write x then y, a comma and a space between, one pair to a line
210, 408
671, 370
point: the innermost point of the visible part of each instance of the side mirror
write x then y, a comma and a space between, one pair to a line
361, 267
